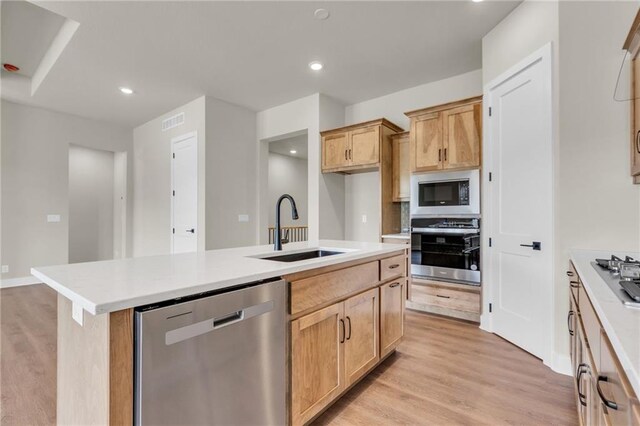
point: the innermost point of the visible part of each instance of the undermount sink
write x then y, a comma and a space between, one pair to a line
301, 255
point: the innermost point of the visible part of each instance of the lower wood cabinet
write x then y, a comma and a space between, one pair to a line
362, 331
317, 362
392, 298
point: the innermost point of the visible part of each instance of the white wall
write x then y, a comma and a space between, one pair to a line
91, 202
230, 175
35, 177
362, 190
288, 175
152, 179
598, 207
326, 192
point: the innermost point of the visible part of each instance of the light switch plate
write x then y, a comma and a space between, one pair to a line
5, 269
77, 313
53, 218
243, 218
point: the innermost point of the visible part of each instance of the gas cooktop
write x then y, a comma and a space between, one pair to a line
622, 276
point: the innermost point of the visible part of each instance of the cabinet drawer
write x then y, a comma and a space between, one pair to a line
393, 267
591, 327
449, 298
392, 240
614, 388
574, 282
321, 289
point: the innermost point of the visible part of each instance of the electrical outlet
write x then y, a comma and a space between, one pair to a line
243, 218
53, 218
5, 269
364, 218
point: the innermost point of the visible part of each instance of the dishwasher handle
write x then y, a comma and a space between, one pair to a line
212, 324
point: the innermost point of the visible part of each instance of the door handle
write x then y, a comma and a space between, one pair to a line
439, 155
349, 320
536, 245
445, 154
344, 332
581, 397
569, 322
192, 230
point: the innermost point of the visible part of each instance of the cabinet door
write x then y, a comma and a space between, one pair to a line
579, 376
364, 146
392, 296
335, 151
571, 325
461, 137
317, 375
615, 391
401, 172
361, 342
426, 142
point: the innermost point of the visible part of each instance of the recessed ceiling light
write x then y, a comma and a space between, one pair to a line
476, 1
126, 90
321, 14
315, 65
293, 151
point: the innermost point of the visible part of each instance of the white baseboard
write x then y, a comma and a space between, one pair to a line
16, 282
561, 364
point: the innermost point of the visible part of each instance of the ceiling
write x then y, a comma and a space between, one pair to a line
254, 54
285, 146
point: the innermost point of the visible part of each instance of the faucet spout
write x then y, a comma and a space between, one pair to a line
294, 215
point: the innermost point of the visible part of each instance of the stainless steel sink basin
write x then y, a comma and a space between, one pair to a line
301, 255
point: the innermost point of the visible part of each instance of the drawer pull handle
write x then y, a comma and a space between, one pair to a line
344, 332
394, 285
605, 401
574, 284
394, 266
443, 297
569, 273
349, 336
569, 322
579, 373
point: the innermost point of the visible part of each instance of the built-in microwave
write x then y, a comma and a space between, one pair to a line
446, 193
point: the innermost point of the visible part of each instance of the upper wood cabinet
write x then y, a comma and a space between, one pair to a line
356, 148
446, 137
401, 171
632, 45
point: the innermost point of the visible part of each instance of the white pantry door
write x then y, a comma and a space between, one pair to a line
518, 211
184, 199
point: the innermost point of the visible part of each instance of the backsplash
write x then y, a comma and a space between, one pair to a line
405, 223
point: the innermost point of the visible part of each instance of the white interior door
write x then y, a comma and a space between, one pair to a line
518, 211
184, 200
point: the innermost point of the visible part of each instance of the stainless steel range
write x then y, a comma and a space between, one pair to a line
622, 276
446, 249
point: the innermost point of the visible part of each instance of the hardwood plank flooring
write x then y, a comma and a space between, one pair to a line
28, 333
449, 372
446, 372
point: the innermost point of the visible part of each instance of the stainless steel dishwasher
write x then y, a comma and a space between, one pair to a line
214, 359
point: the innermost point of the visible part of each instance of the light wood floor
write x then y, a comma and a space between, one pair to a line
446, 372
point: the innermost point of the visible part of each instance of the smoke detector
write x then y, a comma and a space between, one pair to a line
11, 67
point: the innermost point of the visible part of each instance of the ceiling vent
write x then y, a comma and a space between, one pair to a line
173, 121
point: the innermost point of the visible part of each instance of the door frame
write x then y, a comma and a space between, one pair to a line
174, 141
545, 56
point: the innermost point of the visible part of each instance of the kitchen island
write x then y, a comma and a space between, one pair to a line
344, 312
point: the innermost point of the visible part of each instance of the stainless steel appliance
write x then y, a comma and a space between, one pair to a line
623, 277
216, 359
446, 249
445, 193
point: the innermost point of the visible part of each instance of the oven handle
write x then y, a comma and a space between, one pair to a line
469, 250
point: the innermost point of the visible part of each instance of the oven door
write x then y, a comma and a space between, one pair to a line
445, 193
449, 257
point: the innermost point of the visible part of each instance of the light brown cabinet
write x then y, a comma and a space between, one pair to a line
446, 137
604, 395
357, 148
444, 298
632, 45
392, 297
401, 168
342, 331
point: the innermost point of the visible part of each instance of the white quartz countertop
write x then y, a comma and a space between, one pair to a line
400, 235
113, 285
621, 324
